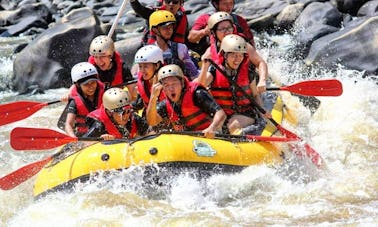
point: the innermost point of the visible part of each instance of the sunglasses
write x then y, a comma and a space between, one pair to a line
123, 110
174, 2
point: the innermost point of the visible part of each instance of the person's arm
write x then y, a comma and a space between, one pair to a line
153, 118
199, 29
261, 66
96, 128
206, 102
141, 10
205, 77
216, 125
257, 97
69, 125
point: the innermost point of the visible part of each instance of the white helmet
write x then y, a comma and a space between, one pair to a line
149, 54
233, 43
115, 98
170, 70
101, 46
83, 72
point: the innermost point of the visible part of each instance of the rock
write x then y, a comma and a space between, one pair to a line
24, 24
127, 48
48, 59
288, 15
316, 20
350, 6
11, 17
368, 9
354, 47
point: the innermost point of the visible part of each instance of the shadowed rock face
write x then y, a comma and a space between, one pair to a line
48, 59
356, 46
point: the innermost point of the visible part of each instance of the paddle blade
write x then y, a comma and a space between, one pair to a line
37, 138
331, 87
21, 175
310, 152
16, 111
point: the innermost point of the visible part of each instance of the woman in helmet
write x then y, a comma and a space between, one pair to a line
187, 106
86, 96
200, 31
234, 59
111, 69
173, 6
115, 119
162, 23
149, 59
220, 25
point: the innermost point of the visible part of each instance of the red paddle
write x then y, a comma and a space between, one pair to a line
19, 176
15, 111
331, 87
40, 138
310, 152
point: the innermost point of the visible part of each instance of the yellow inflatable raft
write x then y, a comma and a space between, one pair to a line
173, 150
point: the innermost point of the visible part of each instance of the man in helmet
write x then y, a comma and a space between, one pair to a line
200, 32
115, 119
175, 7
221, 25
111, 69
187, 106
162, 23
235, 60
149, 59
86, 96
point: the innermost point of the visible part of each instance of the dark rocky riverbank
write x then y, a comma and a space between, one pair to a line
328, 33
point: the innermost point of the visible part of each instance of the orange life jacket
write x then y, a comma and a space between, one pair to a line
230, 99
101, 116
193, 118
82, 110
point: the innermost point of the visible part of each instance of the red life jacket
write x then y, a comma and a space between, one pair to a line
193, 118
179, 31
82, 110
231, 100
118, 78
101, 116
142, 85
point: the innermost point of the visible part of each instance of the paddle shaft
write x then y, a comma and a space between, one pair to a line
114, 25
315, 157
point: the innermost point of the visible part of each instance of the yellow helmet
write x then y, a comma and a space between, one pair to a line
101, 46
115, 98
170, 70
161, 17
218, 17
233, 43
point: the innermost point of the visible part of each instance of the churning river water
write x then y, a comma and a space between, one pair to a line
344, 130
